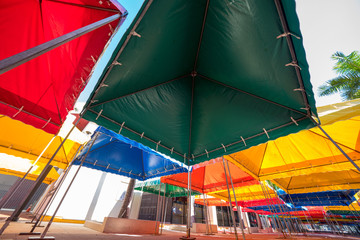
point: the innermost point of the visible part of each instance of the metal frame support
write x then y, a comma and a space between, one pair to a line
337, 146
236, 203
67, 190
157, 210
231, 210
25, 56
188, 224
5, 200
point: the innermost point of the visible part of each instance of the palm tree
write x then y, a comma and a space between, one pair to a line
348, 81
129, 192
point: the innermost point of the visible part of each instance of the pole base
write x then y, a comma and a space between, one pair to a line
187, 238
39, 226
29, 233
209, 234
40, 238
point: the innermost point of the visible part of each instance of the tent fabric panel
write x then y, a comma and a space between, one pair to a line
177, 24
336, 112
329, 198
209, 177
320, 182
116, 154
303, 153
238, 22
17, 166
25, 141
45, 90
254, 192
153, 186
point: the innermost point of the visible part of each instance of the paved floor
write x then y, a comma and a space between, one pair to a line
67, 231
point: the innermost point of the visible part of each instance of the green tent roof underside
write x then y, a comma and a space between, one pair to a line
170, 190
196, 81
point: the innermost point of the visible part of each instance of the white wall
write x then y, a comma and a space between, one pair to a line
81, 193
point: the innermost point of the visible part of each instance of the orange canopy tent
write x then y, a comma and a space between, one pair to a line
209, 177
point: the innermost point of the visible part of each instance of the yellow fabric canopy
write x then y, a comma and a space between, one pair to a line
352, 207
252, 192
319, 182
26, 142
15, 166
308, 151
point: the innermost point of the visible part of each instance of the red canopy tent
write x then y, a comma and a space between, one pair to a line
260, 202
39, 87
209, 177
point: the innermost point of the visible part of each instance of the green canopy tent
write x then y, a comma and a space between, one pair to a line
153, 186
199, 79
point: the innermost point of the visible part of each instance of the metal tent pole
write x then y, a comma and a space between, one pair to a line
6, 199
188, 224
228, 216
157, 210
162, 212
222, 215
277, 222
67, 190
208, 216
25, 56
236, 203
37, 183
205, 215
47, 207
52, 198
337, 146
231, 210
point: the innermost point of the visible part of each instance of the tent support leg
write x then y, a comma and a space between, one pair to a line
302, 211
188, 224
230, 202
37, 183
338, 147
236, 203
25, 56
205, 215
277, 222
208, 217
5, 200
222, 215
29, 195
67, 190
163, 210
50, 200
158, 205
228, 216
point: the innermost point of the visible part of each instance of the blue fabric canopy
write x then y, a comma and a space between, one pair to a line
329, 198
117, 154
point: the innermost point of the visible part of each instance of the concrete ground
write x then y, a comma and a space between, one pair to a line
67, 231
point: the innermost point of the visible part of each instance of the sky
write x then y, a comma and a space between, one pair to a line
327, 26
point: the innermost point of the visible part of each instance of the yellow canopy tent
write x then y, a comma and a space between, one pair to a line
320, 182
26, 143
308, 151
252, 192
353, 207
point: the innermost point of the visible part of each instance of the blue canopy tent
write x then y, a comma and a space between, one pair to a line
328, 198
111, 152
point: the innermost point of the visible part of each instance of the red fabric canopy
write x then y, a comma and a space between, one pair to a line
209, 177
46, 88
260, 202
